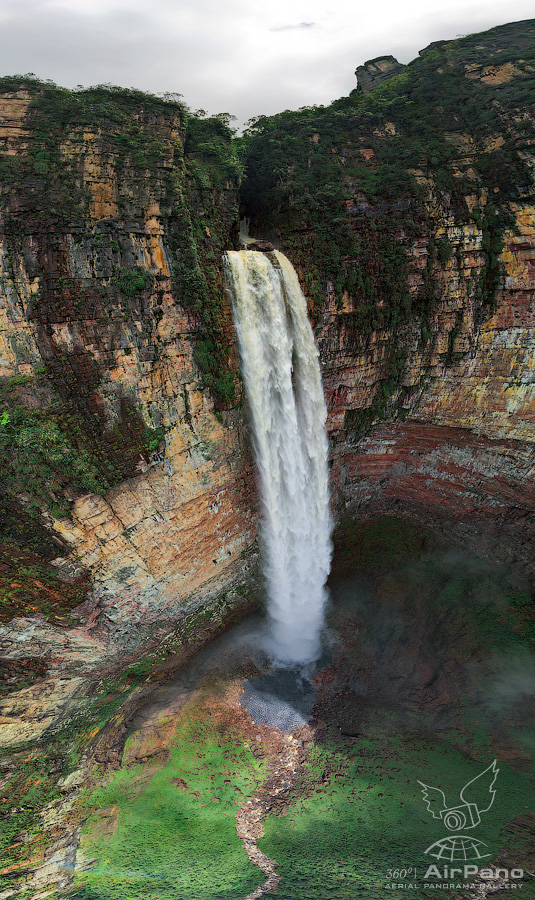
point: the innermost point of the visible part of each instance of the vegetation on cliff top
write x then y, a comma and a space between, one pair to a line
158, 150
389, 148
347, 189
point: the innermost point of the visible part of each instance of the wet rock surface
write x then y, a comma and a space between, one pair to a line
283, 699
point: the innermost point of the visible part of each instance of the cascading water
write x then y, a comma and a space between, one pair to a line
280, 367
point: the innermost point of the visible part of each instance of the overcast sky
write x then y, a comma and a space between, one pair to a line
237, 56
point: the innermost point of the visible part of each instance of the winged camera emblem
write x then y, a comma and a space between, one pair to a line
477, 797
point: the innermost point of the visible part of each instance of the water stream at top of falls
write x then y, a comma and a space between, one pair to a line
280, 367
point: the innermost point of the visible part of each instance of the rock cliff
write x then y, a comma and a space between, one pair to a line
409, 213
375, 71
414, 203
124, 452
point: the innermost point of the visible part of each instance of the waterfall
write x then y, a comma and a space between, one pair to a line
280, 367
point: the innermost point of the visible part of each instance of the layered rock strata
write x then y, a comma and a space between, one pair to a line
94, 323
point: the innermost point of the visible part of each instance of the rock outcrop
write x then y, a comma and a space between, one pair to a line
375, 71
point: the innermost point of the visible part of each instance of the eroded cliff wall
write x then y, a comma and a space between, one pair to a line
415, 205
120, 430
409, 214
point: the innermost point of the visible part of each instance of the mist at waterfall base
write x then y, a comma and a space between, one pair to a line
281, 373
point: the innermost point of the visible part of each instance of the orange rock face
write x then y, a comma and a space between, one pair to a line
462, 459
182, 529
13, 111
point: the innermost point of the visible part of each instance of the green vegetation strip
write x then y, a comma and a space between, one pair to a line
365, 819
177, 837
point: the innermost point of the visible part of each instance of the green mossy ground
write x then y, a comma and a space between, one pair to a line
177, 838
366, 817
32, 775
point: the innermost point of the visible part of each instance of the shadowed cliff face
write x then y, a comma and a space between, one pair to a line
123, 450
414, 205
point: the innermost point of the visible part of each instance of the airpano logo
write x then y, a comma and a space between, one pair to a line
477, 797
460, 854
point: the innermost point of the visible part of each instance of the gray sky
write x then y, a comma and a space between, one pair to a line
238, 56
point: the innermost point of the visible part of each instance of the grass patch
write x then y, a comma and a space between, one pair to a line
177, 838
365, 817
359, 813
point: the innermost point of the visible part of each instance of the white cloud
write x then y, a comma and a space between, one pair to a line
292, 27
236, 56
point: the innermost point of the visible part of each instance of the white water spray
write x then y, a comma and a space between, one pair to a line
282, 378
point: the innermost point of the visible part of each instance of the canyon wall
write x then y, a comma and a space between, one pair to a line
409, 214
125, 453
426, 332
